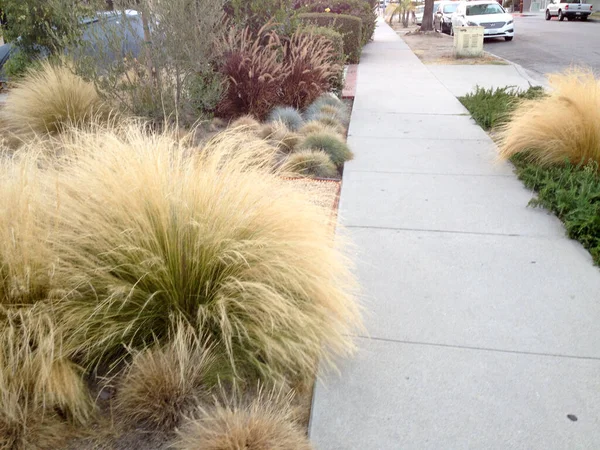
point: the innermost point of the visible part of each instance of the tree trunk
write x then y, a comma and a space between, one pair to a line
427, 24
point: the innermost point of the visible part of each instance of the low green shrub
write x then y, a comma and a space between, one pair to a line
330, 143
315, 163
350, 27
492, 107
291, 117
572, 193
357, 8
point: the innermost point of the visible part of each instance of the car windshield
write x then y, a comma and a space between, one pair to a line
449, 9
481, 10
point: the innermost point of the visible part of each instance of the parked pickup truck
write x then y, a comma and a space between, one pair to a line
571, 9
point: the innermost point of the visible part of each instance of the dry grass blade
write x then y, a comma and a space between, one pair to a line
267, 422
563, 126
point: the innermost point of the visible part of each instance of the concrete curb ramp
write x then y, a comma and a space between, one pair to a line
482, 317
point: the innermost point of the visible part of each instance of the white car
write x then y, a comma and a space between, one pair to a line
487, 14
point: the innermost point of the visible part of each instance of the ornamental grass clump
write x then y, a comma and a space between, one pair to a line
248, 122
49, 100
327, 105
291, 117
42, 393
330, 143
266, 422
26, 265
163, 383
315, 126
151, 235
280, 136
563, 126
311, 163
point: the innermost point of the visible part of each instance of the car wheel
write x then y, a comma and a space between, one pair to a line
508, 38
561, 17
584, 18
451, 31
548, 16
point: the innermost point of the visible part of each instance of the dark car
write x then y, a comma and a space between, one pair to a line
442, 17
106, 37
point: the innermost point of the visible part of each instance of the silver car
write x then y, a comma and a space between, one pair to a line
442, 17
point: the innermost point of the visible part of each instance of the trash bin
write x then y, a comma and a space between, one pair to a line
468, 42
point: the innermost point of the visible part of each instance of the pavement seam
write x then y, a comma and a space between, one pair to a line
400, 138
431, 173
485, 349
478, 233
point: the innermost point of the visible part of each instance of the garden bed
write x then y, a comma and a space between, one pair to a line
561, 169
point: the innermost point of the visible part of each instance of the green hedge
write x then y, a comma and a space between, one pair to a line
349, 27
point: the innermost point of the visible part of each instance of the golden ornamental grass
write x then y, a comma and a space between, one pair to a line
266, 422
48, 100
151, 235
564, 126
165, 382
26, 265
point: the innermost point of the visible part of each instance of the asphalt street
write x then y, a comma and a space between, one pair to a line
542, 46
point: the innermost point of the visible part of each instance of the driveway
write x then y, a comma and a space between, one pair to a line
541, 46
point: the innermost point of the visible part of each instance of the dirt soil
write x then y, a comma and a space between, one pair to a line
437, 48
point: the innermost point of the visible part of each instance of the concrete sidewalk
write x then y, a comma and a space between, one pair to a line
482, 316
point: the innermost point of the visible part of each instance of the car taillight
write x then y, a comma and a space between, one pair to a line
566, 6
591, 6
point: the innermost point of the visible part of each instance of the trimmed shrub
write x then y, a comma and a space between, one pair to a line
289, 116
310, 71
267, 422
311, 163
561, 127
329, 143
356, 8
161, 384
349, 27
150, 236
255, 14
48, 100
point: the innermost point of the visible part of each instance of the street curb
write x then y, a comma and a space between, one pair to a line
533, 80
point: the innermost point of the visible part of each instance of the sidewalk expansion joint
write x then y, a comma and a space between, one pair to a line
465, 114
425, 230
484, 349
401, 138
433, 173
